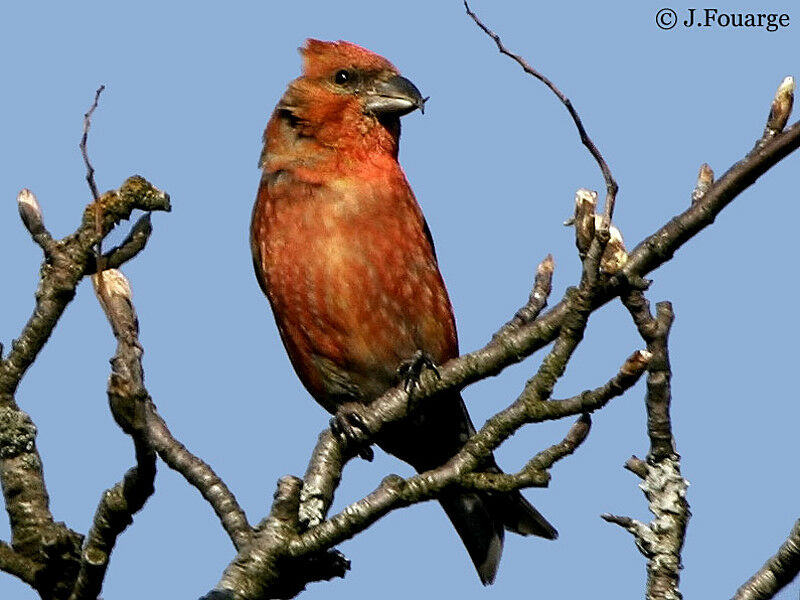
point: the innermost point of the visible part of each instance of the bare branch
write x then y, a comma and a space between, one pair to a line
659, 247
776, 573
87, 124
591, 400
43, 550
134, 411
655, 332
542, 286
126, 395
114, 514
637, 528
636, 466
534, 473
322, 477
648, 255
67, 266
661, 542
611, 184
200, 475
324, 470
267, 567
134, 243
26, 497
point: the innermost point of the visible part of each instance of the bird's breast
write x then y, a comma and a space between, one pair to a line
353, 280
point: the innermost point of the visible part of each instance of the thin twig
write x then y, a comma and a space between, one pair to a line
537, 300
611, 184
87, 124
636, 466
98, 215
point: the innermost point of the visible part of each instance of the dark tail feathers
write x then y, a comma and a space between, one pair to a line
481, 520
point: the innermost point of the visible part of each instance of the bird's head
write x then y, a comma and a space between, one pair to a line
345, 92
359, 77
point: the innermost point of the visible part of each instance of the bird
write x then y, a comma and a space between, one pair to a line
344, 255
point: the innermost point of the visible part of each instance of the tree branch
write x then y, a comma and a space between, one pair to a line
534, 473
126, 395
136, 413
35, 535
134, 242
66, 267
655, 332
200, 475
661, 542
776, 573
659, 247
542, 286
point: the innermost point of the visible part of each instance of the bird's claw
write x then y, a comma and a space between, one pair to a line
411, 370
351, 429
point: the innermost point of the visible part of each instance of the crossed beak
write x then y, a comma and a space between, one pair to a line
396, 96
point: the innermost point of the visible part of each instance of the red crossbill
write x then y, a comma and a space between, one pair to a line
344, 255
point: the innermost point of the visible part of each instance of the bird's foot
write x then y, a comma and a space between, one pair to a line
411, 370
351, 429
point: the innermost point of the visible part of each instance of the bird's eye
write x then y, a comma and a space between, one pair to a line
342, 77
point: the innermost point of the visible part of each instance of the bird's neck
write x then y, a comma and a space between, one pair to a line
348, 144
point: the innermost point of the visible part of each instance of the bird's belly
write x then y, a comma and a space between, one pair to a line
355, 304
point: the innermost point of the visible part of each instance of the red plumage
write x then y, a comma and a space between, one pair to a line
342, 251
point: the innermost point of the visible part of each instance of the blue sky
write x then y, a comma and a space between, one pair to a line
495, 163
